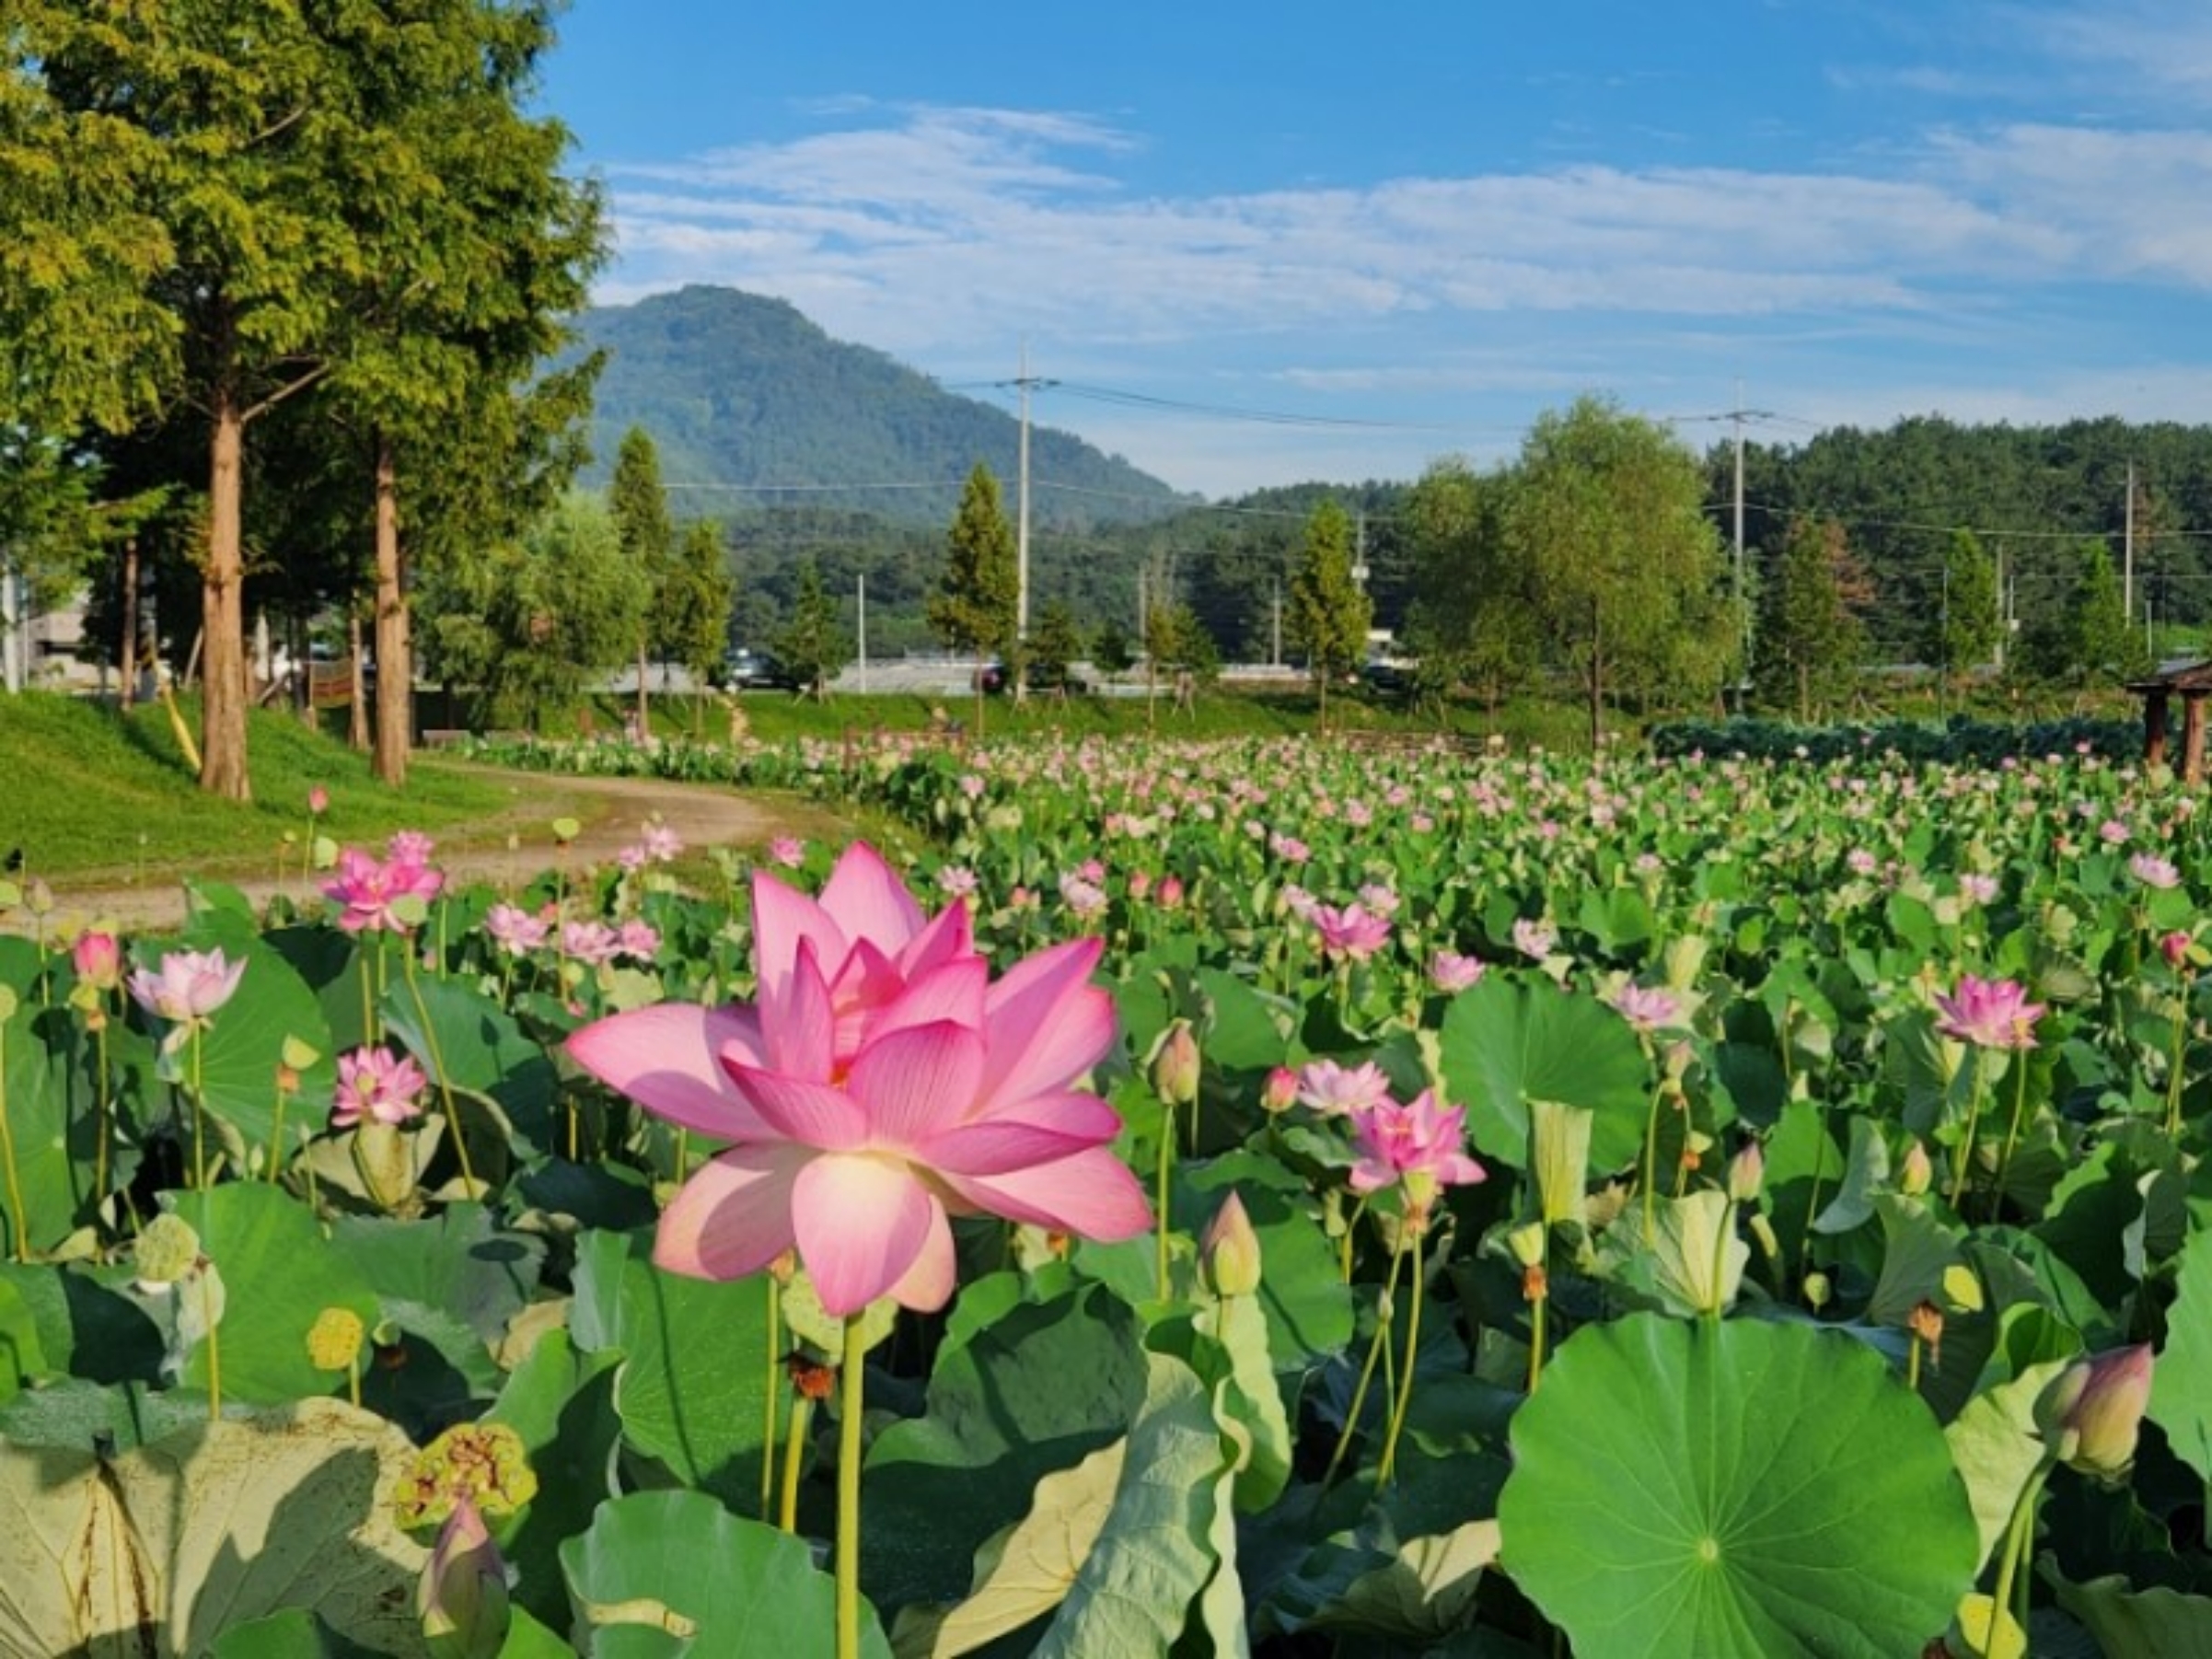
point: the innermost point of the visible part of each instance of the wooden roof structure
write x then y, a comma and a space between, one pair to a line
2192, 683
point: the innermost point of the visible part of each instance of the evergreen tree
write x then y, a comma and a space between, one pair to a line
640, 514
813, 644
1112, 650
563, 607
1965, 627
974, 607
2087, 641
1329, 612
1054, 645
697, 605
1812, 639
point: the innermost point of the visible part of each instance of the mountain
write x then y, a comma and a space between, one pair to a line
738, 390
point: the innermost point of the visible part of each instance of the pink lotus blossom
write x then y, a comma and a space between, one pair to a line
1416, 1146
591, 942
662, 844
1533, 939
787, 851
1333, 1089
379, 1086
318, 800
956, 880
1351, 932
881, 1084
517, 932
2175, 947
369, 890
1990, 1013
410, 847
98, 958
1976, 889
1083, 898
189, 986
1171, 893
2153, 871
1451, 973
1646, 1007
639, 941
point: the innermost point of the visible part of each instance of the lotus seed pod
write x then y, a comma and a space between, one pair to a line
1817, 1291
1230, 1250
335, 1339
167, 1250
484, 1464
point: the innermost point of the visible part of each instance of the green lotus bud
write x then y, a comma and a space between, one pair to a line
1175, 1065
1916, 1172
463, 1595
167, 1251
2092, 1411
1230, 1250
1817, 1291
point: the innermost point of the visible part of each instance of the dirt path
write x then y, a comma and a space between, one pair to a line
515, 846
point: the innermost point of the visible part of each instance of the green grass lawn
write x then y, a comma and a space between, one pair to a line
85, 789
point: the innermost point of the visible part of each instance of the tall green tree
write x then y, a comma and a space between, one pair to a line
697, 602
1608, 514
2087, 638
1965, 627
813, 643
1812, 636
563, 607
1329, 612
1472, 618
974, 607
641, 513
1054, 644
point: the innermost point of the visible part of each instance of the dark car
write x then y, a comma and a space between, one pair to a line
1037, 677
1387, 680
744, 670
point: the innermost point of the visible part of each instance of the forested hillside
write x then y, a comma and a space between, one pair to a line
740, 391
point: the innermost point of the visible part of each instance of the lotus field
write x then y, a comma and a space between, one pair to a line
1269, 1198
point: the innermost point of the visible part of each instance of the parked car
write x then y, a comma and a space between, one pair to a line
1389, 679
1037, 677
745, 669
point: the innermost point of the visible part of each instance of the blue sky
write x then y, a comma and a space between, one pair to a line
1257, 245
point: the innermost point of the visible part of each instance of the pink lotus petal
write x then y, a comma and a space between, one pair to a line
1066, 1112
1092, 1194
994, 1147
867, 900
734, 1217
950, 935
863, 1223
928, 1284
916, 1082
1047, 1024
799, 1020
792, 1108
953, 991
783, 918
668, 1058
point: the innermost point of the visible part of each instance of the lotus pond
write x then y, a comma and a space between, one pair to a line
1188, 1199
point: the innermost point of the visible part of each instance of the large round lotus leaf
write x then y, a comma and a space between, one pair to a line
1505, 1044
1734, 1492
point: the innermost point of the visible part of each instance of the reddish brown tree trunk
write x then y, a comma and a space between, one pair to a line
395, 664
126, 658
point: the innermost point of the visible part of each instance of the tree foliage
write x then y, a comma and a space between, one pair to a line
1329, 612
814, 643
1811, 638
2090, 641
1472, 620
697, 601
974, 607
1965, 627
559, 606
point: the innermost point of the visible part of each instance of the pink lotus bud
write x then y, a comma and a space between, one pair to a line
1280, 1093
2094, 1408
2175, 947
1171, 892
318, 800
464, 1589
1175, 1065
98, 958
1747, 1172
1230, 1250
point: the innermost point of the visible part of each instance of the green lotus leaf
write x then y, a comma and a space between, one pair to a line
219, 1525
663, 1575
480, 1049
2158, 1621
1733, 1490
2181, 1378
243, 1047
1505, 1043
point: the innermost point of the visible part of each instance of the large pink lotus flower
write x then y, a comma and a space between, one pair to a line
187, 987
1416, 1146
376, 1085
1990, 1013
369, 889
880, 1083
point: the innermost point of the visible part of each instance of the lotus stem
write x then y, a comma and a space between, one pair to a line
852, 1398
100, 1129
437, 1066
1962, 1160
2174, 1075
794, 1448
1652, 1167
1405, 1396
7, 1147
1367, 1370
2020, 1542
769, 1400
198, 1118
2020, 1107
1820, 1166
1164, 1169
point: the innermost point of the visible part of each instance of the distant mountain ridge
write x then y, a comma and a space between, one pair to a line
738, 390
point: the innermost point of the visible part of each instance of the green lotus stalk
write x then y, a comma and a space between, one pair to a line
795, 1449
2176, 1055
7, 1134
437, 1069
102, 1127
1531, 1245
851, 1398
2018, 1546
1652, 1167
1820, 1169
1162, 1171
199, 1119
2020, 1107
769, 1397
1367, 1370
1963, 1158
1405, 1394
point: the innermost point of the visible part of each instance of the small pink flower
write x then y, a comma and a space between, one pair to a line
515, 931
318, 800
1171, 893
2112, 832
1990, 1013
1533, 939
639, 941
98, 958
410, 847
631, 859
1646, 1007
956, 880
378, 1085
787, 851
1352, 932
187, 987
2153, 871
369, 891
1333, 1090
1451, 973
1280, 1093
1416, 1146
1084, 900
2175, 947
662, 844
1977, 888
591, 943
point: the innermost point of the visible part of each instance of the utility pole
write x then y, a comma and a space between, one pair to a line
1026, 383
861, 587
1274, 659
2127, 559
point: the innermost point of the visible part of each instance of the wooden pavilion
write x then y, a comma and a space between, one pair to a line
2191, 682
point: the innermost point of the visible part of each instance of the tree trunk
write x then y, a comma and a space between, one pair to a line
395, 664
357, 725
222, 611
644, 707
126, 656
